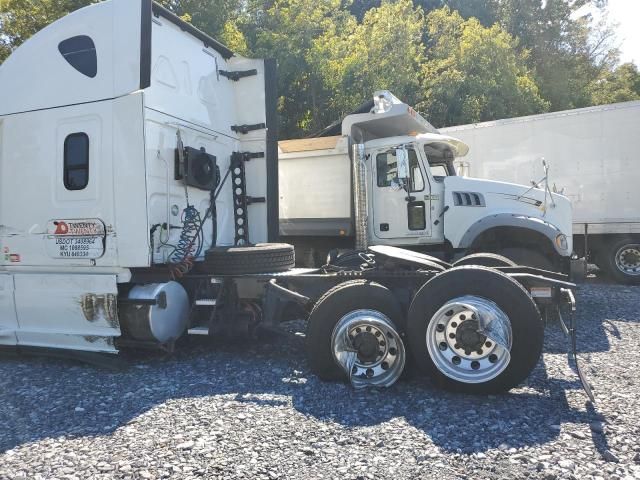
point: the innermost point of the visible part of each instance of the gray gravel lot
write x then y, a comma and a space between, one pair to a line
257, 412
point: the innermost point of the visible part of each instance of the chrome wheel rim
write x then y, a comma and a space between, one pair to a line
628, 259
469, 340
368, 348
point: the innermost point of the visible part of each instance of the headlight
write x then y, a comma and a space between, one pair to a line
562, 243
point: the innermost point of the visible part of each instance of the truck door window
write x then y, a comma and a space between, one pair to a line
439, 172
76, 161
387, 168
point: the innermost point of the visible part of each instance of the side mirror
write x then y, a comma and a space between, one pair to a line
402, 157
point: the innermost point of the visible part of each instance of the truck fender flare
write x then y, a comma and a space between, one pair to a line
511, 220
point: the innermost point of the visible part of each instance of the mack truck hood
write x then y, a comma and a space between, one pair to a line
471, 199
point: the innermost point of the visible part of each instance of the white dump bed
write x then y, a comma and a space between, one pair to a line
593, 154
315, 187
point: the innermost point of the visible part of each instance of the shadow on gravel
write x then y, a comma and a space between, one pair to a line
598, 306
52, 399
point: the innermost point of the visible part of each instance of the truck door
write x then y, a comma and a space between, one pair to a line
400, 212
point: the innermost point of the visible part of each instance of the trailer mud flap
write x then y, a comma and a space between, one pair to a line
570, 331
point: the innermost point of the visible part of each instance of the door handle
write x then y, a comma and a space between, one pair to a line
410, 199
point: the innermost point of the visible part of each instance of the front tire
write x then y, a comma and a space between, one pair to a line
442, 331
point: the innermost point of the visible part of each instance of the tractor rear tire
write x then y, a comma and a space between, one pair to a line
331, 308
432, 308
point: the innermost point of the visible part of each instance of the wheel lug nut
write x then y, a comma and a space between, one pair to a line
443, 346
475, 365
463, 317
479, 351
456, 360
452, 336
370, 372
440, 328
488, 344
449, 313
385, 366
454, 324
493, 358
393, 351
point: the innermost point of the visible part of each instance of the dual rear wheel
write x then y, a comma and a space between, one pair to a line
471, 328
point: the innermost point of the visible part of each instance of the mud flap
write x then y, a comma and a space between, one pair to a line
570, 331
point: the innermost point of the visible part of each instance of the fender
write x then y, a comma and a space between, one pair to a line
511, 220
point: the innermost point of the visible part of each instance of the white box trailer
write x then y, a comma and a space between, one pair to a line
592, 154
138, 178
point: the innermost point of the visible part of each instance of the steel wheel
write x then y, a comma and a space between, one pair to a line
628, 259
368, 348
469, 340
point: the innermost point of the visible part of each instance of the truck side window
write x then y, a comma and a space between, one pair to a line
81, 54
76, 161
387, 168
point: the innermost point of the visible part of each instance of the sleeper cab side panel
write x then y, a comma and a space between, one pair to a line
67, 311
129, 182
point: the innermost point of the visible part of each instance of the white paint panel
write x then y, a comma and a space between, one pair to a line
50, 311
8, 318
315, 187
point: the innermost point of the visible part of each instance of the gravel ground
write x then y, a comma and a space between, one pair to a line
233, 412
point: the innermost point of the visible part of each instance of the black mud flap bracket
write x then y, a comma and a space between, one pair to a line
570, 331
236, 76
244, 129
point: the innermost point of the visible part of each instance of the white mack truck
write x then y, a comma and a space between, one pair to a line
434, 211
139, 194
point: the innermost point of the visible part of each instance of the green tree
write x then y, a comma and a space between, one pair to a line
567, 51
474, 73
384, 51
20, 19
619, 85
287, 31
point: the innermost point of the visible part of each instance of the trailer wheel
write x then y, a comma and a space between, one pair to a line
485, 260
260, 258
475, 330
622, 260
352, 333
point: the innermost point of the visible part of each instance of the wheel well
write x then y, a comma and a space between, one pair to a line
498, 238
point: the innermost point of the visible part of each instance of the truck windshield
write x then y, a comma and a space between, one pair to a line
440, 162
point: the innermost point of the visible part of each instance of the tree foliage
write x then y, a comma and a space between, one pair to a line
458, 60
475, 73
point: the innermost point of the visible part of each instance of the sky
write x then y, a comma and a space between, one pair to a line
626, 13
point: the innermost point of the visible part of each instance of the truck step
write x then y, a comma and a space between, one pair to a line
199, 331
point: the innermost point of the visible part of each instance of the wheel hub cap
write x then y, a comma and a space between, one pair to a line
628, 259
469, 340
367, 346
